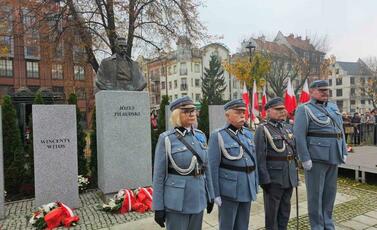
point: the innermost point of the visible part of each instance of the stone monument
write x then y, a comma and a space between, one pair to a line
216, 117
55, 154
123, 140
2, 210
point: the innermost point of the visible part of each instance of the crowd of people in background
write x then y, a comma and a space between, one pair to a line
360, 127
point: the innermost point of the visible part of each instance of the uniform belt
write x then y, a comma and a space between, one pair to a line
193, 173
329, 135
280, 158
247, 169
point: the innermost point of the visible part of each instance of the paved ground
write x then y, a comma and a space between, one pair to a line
356, 208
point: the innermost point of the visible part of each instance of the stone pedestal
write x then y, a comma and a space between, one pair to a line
123, 140
2, 210
216, 117
55, 154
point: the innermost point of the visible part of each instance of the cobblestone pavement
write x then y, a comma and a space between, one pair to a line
356, 208
90, 216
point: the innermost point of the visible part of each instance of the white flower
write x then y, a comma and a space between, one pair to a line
48, 207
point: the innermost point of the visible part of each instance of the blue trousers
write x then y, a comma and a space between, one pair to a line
321, 190
234, 215
179, 221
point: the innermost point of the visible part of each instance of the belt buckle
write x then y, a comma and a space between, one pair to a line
290, 157
339, 135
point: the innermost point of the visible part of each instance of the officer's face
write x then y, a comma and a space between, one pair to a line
277, 113
188, 117
236, 117
320, 94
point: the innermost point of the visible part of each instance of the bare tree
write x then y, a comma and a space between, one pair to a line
145, 23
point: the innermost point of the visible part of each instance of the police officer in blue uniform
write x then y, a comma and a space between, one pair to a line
182, 181
277, 168
233, 166
321, 147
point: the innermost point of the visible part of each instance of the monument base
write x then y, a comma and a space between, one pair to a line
123, 140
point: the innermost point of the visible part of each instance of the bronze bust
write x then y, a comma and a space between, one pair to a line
119, 72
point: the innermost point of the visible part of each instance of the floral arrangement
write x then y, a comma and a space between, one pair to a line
127, 200
83, 183
53, 215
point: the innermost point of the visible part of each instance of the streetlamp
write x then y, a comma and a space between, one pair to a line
251, 49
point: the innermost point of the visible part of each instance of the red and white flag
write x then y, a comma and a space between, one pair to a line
264, 101
246, 99
255, 105
290, 99
304, 96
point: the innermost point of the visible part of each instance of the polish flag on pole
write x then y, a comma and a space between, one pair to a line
264, 101
304, 97
255, 105
290, 99
246, 99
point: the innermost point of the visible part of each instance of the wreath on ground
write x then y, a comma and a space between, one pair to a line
127, 200
53, 215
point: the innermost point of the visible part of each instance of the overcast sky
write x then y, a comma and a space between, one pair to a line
350, 25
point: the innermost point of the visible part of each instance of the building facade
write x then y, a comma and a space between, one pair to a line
347, 81
33, 58
180, 72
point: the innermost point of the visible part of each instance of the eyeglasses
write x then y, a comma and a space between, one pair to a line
189, 111
279, 109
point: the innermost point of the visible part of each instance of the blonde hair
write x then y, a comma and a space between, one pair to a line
175, 118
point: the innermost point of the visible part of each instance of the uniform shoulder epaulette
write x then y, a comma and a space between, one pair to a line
168, 132
199, 131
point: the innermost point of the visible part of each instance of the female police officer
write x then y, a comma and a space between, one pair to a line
182, 181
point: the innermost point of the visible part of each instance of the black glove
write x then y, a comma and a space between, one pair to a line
209, 207
266, 187
159, 217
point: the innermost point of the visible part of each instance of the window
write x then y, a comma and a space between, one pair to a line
353, 102
175, 84
169, 70
197, 97
192, 82
184, 94
197, 82
59, 50
58, 89
6, 45
235, 95
184, 85
330, 82
78, 53
81, 94
175, 96
170, 85
339, 103
57, 71
6, 68
353, 92
31, 34
339, 92
362, 102
183, 68
330, 93
170, 97
337, 71
197, 68
32, 69
79, 72
175, 69
162, 85
338, 81
352, 80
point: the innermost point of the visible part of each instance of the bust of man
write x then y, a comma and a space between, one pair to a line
119, 72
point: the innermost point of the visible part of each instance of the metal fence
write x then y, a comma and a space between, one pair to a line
361, 133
